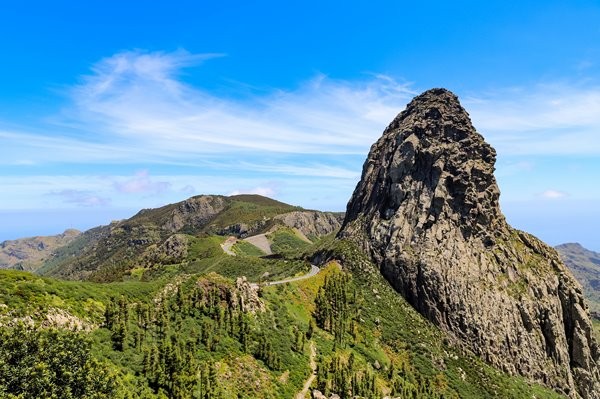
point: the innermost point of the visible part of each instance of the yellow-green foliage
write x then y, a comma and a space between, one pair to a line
286, 241
24, 293
190, 336
244, 248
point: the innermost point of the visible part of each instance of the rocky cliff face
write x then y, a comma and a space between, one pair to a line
426, 210
195, 212
311, 223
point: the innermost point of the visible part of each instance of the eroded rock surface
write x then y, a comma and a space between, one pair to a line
310, 223
426, 210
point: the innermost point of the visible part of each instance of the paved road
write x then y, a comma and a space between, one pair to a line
227, 246
313, 271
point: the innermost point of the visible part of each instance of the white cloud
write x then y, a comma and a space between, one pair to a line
264, 191
142, 183
135, 107
81, 198
41, 192
553, 194
550, 119
138, 96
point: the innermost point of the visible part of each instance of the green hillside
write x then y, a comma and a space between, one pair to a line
108, 253
187, 330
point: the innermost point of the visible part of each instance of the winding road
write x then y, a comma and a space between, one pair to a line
313, 271
259, 241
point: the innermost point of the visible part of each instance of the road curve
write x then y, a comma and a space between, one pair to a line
313, 271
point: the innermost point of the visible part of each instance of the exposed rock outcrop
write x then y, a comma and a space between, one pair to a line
310, 223
173, 250
195, 212
30, 253
426, 210
246, 295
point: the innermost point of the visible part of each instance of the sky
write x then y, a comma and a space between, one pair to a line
109, 107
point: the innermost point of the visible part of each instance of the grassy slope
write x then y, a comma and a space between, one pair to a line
205, 255
244, 248
30, 253
249, 209
108, 253
285, 241
596, 324
24, 294
390, 331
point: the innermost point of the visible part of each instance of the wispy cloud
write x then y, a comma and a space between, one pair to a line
81, 198
264, 191
138, 96
142, 183
548, 119
136, 110
58, 192
553, 194
135, 106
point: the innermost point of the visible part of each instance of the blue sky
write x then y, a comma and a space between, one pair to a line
108, 107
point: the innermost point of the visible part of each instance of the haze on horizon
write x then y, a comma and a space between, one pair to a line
108, 108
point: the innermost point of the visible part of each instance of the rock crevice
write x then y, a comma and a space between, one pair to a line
427, 211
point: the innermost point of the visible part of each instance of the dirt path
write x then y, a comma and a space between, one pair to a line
260, 241
313, 366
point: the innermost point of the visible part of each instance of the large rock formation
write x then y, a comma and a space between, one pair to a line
311, 223
426, 210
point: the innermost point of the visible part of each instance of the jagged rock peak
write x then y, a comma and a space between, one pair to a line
432, 153
427, 212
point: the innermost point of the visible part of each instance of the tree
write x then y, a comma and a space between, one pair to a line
51, 364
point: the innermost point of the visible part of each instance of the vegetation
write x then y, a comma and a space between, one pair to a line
25, 294
183, 330
249, 209
52, 364
244, 248
287, 242
585, 266
596, 325
109, 253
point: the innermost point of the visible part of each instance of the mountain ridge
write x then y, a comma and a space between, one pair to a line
151, 235
485, 311
585, 266
29, 253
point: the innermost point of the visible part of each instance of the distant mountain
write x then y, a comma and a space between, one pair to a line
160, 235
585, 265
30, 253
201, 315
